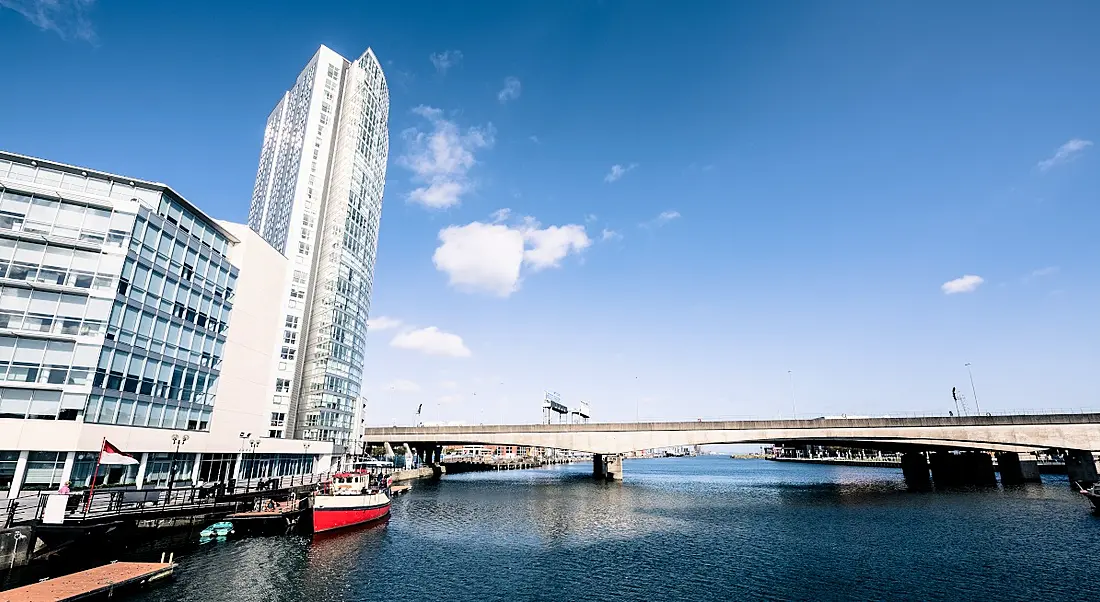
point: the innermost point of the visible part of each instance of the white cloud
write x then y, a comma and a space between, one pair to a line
533, 138
449, 398
500, 215
1065, 153
431, 341
510, 91
550, 245
67, 18
450, 385
591, 217
662, 218
618, 171
403, 386
441, 159
446, 59
383, 323
481, 257
489, 258
609, 234
965, 284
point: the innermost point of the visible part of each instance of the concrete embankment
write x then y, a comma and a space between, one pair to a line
484, 464
424, 472
843, 462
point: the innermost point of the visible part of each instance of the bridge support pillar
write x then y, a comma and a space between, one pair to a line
607, 466
1081, 467
914, 465
614, 467
1017, 468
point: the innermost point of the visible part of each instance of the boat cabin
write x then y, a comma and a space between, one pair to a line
353, 483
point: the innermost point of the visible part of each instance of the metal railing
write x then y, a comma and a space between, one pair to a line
284, 482
21, 509
128, 502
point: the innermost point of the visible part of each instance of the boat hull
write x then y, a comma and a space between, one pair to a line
332, 512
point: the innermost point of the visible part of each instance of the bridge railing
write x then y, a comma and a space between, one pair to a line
643, 420
947, 413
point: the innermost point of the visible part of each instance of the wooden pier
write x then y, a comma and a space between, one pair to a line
103, 580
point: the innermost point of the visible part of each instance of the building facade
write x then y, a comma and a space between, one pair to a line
318, 200
116, 305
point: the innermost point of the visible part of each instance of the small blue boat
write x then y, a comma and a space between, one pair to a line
217, 531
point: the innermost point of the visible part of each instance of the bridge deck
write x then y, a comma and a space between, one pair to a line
706, 425
1003, 432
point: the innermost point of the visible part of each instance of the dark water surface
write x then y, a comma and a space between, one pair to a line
703, 529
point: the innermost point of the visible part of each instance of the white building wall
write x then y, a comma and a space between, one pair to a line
247, 385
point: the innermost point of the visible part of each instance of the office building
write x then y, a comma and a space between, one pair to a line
128, 314
318, 201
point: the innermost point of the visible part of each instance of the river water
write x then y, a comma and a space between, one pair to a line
700, 529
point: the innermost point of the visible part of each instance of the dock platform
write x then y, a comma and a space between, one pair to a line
100, 580
273, 518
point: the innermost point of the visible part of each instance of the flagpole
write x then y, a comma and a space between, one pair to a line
95, 475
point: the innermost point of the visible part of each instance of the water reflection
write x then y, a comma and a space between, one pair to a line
692, 529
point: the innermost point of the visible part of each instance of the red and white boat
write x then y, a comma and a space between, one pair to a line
352, 498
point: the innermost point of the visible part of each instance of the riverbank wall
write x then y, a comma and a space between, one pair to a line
424, 472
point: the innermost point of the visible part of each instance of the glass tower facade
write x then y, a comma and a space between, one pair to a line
114, 299
318, 199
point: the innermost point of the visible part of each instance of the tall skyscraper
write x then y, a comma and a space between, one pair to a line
318, 200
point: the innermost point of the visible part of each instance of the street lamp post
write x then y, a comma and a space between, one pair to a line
305, 450
177, 441
252, 444
973, 390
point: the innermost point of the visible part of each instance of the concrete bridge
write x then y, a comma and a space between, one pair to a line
924, 441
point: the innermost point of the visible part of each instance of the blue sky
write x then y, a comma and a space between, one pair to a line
866, 195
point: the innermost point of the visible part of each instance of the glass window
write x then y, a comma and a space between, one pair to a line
141, 413
45, 404
43, 210
98, 220
156, 412
107, 410
129, 321
8, 460
70, 215
16, 202
125, 411
145, 326
15, 403
83, 469
43, 470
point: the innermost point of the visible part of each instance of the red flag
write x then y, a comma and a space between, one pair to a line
113, 455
